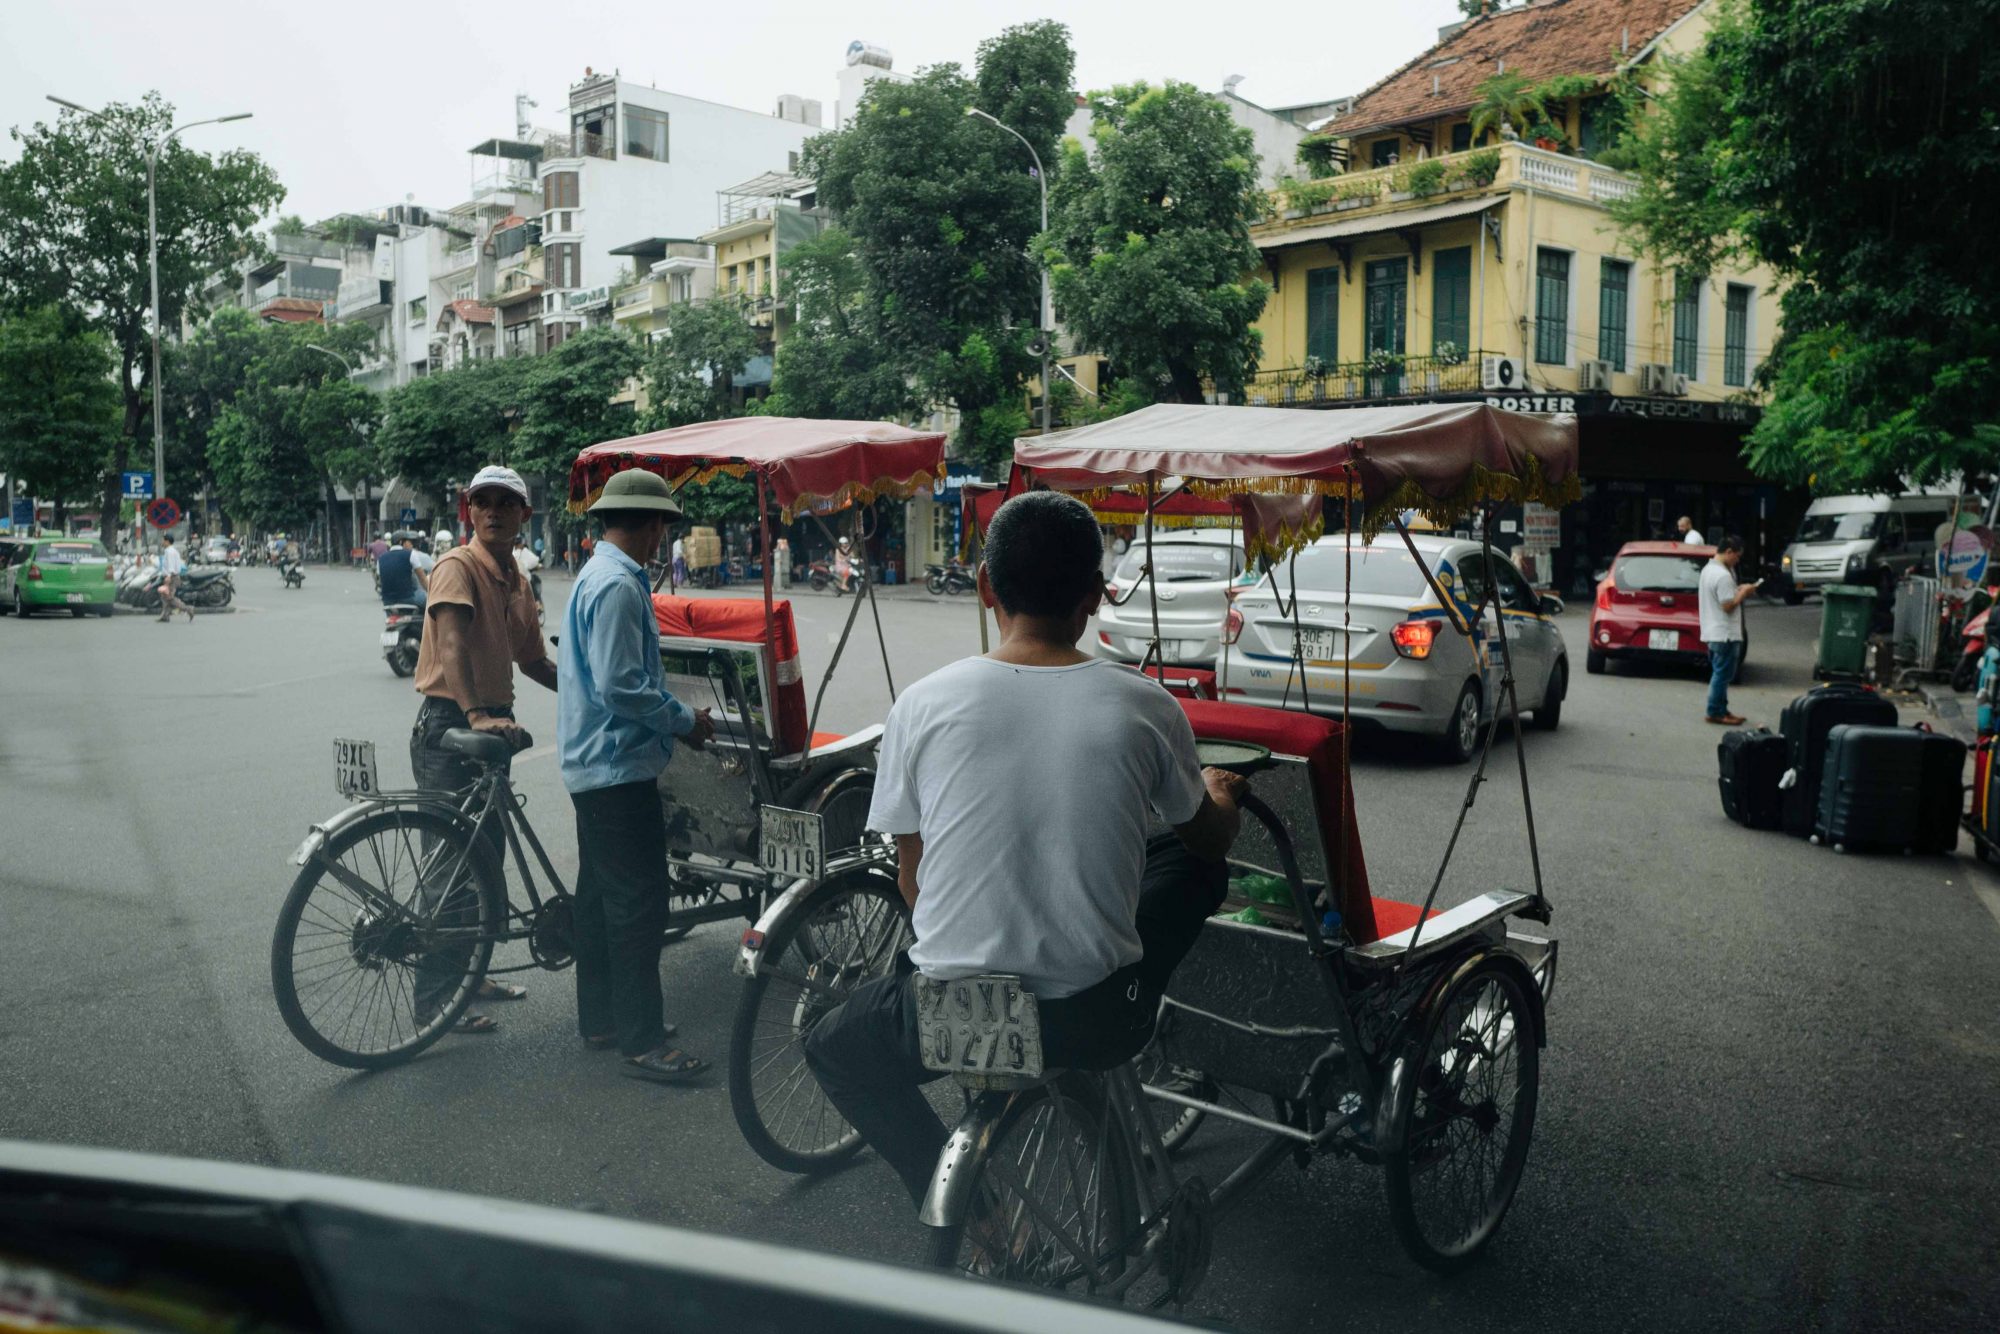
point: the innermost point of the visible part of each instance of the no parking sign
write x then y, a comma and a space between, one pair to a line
163, 513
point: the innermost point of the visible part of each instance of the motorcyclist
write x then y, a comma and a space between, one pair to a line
1021, 788
843, 565
406, 574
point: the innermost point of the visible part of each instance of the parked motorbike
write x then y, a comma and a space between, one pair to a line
140, 587
1972, 644
402, 636
953, 578
292, 571
821, 576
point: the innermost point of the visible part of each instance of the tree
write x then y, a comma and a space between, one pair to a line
1151, 243
58, 406
73, 233
942, 208
203, 376
1888, 370
834, 362
691, 375
297, 426
1508, 98
566, 406
444, 427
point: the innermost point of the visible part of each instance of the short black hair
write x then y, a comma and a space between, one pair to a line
1043, 554
1729, 543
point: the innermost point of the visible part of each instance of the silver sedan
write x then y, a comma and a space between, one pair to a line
1193, 570
1394, 644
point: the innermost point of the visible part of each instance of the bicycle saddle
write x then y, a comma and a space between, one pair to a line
1242, 757
480, 747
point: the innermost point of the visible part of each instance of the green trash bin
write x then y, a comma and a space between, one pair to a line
1843, 630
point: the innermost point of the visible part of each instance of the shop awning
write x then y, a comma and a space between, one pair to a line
1375, 223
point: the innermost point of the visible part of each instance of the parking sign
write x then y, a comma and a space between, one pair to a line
138, 485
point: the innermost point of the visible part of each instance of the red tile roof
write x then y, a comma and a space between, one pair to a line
1540, 39
472, 312
293, 310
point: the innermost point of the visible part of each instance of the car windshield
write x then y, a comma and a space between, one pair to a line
70, 553
1858, 526
1182, 562
1387, 570
1660, 574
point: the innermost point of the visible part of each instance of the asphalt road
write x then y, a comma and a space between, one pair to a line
1768, 1100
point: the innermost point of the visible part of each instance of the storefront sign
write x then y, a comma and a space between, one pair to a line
1651, 409
1540, 525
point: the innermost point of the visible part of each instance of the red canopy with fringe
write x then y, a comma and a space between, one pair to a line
808, 464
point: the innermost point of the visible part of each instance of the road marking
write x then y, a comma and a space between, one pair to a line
1988, 896
291, 681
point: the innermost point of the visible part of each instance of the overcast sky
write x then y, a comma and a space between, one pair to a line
358, 106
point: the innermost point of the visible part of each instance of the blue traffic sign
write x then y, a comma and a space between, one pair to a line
409, 516
24, 512
137, 485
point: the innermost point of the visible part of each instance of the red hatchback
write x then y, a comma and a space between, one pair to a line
1647, 606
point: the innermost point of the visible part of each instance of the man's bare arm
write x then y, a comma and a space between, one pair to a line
449, 622
909, 852
1212, 831
543, 672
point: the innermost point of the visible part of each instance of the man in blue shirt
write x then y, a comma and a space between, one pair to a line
404, 571
616, 725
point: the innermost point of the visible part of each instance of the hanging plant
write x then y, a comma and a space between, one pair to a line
1448, 353
1384, 362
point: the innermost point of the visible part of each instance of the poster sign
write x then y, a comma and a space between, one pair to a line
1964, 556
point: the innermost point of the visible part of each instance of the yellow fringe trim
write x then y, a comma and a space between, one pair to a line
892, 488
1275, 547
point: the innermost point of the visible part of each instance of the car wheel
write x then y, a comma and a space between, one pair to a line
1793, 597
1594, 662
1549, 716
1461, 728
20, 605
76, 613
103, 611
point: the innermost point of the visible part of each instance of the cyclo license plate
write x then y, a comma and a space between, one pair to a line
354, 768
792, 843
979, 1026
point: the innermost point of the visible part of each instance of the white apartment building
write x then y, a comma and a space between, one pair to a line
638, 163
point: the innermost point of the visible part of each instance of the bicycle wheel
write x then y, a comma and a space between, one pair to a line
842, 802
1051, 1204
1468, 1113
847, 933
354, 982
1175, 1123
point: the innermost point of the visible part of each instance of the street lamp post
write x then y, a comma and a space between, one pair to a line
153, 268
354, 503
1047, 317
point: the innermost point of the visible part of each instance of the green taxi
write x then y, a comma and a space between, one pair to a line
45, 573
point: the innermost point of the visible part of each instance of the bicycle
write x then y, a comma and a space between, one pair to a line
389, 927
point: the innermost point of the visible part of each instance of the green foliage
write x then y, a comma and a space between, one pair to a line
1151, 244
1887, 367
1476, 169
445, 426
203, 376
566, 400
58, 405
941, 208
834, 362
73, 233
722, 499
1509, 98
691, 375
1316, 154
1422, 179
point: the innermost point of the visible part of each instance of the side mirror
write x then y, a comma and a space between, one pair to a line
1551, 605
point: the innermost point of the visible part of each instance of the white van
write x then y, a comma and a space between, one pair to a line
1853, 539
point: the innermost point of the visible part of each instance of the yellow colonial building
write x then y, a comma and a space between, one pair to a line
1432, 263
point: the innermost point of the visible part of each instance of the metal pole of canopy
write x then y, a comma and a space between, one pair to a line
1513, 702
1157, 652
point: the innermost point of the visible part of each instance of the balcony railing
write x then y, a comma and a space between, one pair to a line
579, 144
1377, 378
504, 182
1447, 174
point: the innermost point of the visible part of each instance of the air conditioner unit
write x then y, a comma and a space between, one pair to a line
1595, 377
1653, 377
1497, 372
1677, 385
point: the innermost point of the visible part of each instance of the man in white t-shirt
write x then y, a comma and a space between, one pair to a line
1721, 601
171, 566
1690, 536
1021, 788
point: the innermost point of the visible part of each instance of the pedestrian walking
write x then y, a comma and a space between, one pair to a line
481, 624
1690, 536
616, 725
171, 566
680, 561
1720, 599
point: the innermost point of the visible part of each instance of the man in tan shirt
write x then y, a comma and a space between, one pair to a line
480, 624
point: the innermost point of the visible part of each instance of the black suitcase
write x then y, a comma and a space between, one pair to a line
1890, 788
1751, 763
1804, 725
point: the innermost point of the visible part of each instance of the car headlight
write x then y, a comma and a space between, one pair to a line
1786, 561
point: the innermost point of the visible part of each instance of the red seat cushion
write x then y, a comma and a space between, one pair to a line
1393, 915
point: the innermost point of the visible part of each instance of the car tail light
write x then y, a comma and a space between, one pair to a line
1604, 596
1232, 626
1111, 591
1413, 639
107, 574
34, 571
1104, 638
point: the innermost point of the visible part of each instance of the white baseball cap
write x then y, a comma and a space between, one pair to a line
494, 475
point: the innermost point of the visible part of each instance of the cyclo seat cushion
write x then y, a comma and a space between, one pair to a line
480, 747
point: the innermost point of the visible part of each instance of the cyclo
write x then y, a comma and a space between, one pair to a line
1385, 1031
390, 924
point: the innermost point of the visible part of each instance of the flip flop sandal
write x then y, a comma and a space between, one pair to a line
490, 990
476, 1021
668, 1065
606, 1041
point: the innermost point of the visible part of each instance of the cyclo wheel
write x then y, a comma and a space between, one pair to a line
1467, 1112
1051, 1204
1176, 1124
848, 932
351, 983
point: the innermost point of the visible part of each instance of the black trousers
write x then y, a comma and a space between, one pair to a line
622, 907
453, 899
866, 1055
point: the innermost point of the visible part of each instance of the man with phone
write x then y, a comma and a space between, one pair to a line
1721, 601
